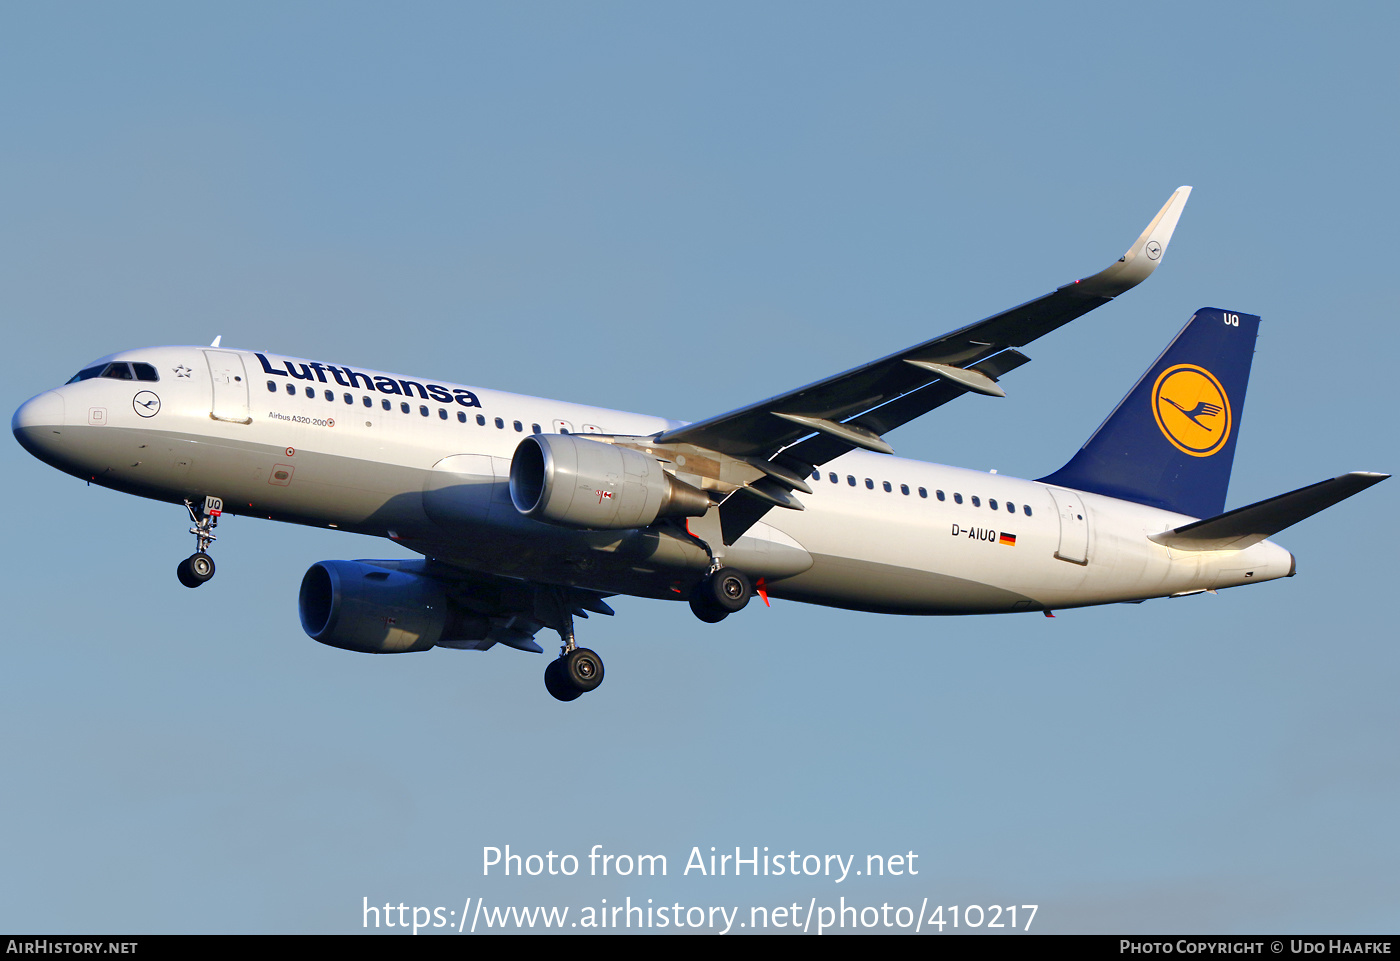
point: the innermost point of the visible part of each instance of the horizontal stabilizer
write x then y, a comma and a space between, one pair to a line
1245, 526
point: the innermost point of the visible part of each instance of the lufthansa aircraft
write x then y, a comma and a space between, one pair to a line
529, 512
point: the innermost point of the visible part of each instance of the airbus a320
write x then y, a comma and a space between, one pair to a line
528, 513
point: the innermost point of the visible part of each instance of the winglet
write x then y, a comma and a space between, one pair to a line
1143, 256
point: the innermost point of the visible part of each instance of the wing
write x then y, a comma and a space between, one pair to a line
855, 408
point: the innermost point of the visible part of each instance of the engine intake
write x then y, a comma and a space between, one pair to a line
567, 480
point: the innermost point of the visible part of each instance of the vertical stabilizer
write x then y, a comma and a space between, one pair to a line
1171, 442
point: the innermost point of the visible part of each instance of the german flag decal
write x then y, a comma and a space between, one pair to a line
1008, 539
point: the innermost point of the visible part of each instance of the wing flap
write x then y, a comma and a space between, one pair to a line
818, 450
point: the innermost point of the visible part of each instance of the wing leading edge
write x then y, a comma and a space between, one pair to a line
853, 409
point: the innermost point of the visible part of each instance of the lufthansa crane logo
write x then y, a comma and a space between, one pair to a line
1191, 409
146, 403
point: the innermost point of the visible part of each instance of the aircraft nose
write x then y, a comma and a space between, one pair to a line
37, 417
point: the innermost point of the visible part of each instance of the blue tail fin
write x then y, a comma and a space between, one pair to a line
1171, 442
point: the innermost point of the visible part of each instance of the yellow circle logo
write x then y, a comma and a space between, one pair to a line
1192, 410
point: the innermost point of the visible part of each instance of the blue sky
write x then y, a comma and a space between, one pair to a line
679, 210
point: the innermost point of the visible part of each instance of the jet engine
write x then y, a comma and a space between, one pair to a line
360, 607
567, 480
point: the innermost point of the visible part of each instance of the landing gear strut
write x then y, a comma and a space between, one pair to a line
577, 670
199, 566
724, 591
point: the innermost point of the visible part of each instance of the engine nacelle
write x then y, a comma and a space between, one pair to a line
567, 480
360, 607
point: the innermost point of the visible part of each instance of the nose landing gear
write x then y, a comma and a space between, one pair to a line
199, 566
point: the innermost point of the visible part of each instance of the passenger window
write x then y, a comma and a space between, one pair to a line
940, 495
368, 402
957, 498
923, 492
330, 395
1026, 508
976, 501
461, 417
992, 503
423, 409
404, 407
850, 479
534, 428
1011, 507
888, 488
272, 387
832, 477
349, 399
869, 484
518, 427
480, 420
292, 389
904, 489
816, 475
442, 414
145, 372
387, 405
500, 424
311, 393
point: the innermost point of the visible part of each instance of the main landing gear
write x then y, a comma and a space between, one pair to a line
577, 670
573, 674
199, 566
724, 591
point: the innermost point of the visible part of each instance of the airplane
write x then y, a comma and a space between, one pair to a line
528, 513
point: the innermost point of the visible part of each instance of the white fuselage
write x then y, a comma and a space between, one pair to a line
426, 464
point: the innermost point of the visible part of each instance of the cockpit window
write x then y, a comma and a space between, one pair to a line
87, 373
119, 370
